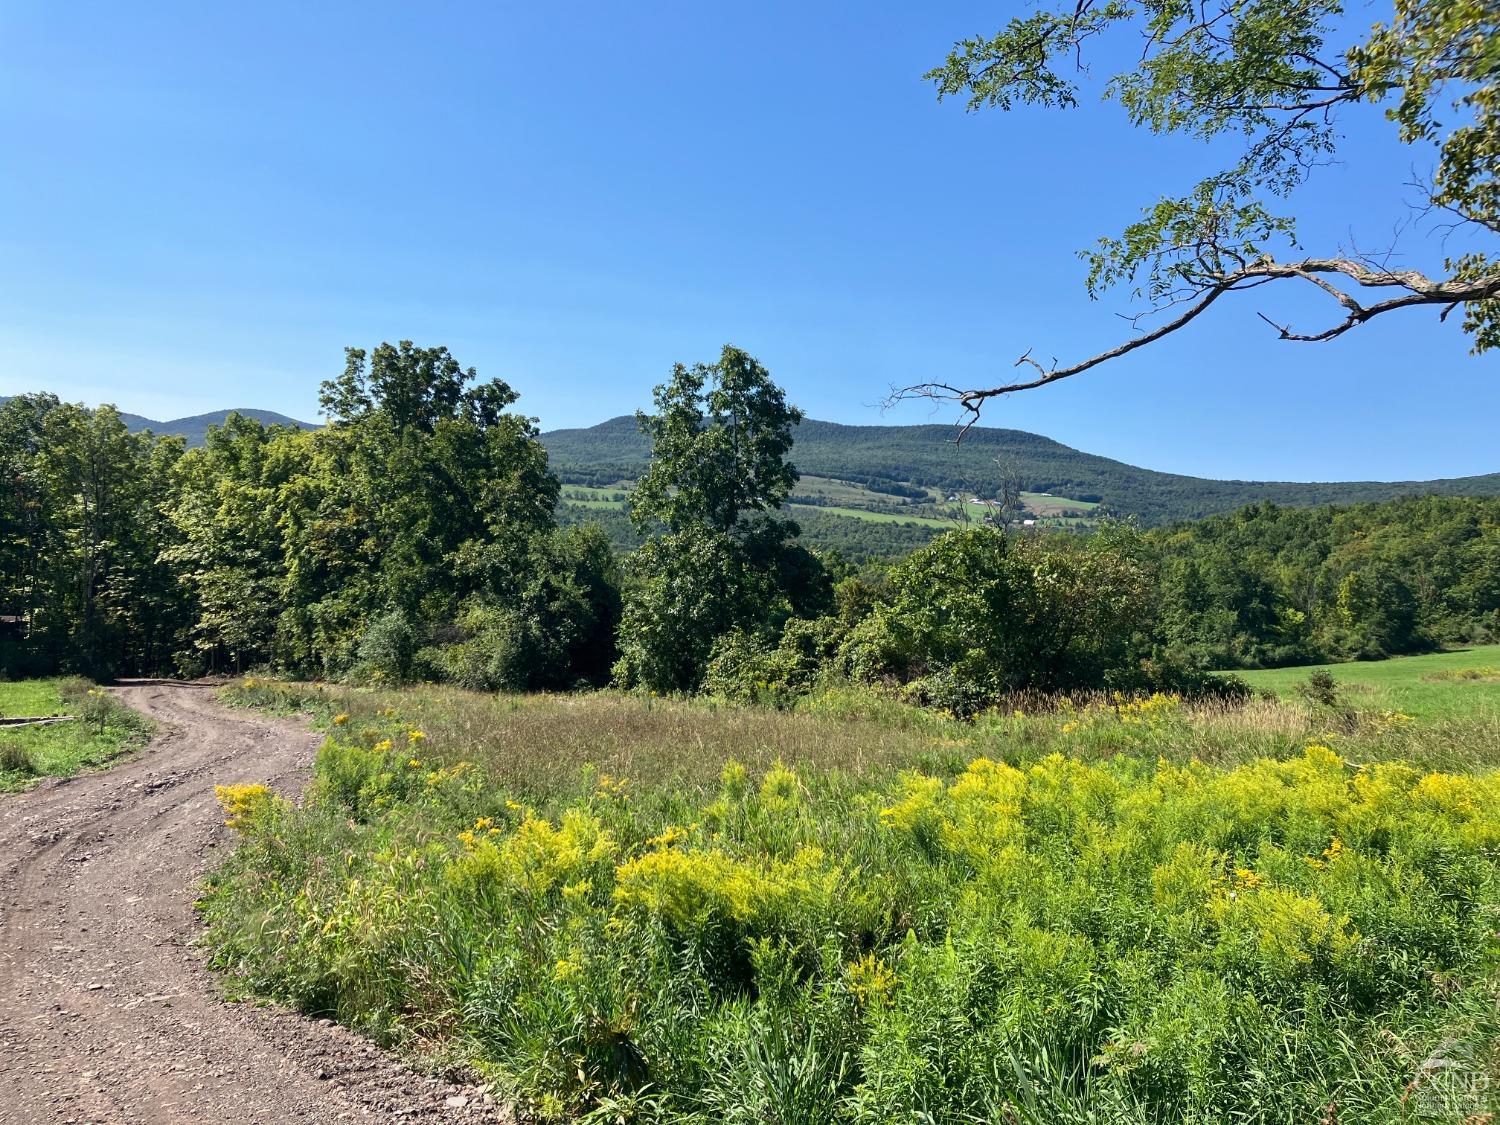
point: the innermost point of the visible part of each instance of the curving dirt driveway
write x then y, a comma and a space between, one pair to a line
106, 1011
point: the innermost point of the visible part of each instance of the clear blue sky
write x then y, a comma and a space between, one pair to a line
202, 204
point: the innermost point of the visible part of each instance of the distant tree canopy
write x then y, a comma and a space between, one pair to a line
1270, 79
1269, 585
413, 538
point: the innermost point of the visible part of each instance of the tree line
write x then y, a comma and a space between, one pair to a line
415, 537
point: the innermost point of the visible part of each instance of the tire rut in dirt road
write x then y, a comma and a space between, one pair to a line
107, 1013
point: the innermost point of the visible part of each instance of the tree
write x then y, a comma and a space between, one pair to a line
81, 532
229, 556
1267, 74
719, 558
719, 443
423, 491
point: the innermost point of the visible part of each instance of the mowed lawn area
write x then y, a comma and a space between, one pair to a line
101, 729
30, 698
1434, 685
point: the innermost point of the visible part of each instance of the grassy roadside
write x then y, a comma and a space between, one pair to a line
103, 729
1104, 910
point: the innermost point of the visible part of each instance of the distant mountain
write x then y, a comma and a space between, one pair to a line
195, 428
926, 456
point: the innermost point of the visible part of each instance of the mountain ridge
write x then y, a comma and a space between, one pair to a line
926, 455
194, 427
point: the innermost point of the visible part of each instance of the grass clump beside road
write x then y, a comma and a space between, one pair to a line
101, 730
1107, 910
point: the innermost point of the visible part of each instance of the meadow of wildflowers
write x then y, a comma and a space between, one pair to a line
1088, 912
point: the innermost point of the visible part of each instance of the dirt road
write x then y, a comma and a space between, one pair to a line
106, 1011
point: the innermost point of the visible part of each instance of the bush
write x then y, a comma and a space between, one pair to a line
746, 668
975, 616
15, 758
387, 648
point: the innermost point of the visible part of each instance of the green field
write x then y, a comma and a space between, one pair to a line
104, 729
30, 698
886, 517
1434, 685
1047, 500
848, 500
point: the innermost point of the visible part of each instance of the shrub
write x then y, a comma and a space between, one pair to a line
975, 615
387, 648
15, 758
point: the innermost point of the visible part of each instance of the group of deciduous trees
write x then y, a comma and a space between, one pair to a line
1270, 585
404, 536
413, 537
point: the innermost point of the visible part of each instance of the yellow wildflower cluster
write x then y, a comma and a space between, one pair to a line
690, 888
243, 804
340, 719
779, 787
612, 787
539, 855
1010, 826
871, 980
1150, 712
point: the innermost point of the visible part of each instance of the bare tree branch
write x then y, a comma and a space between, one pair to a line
1420, 290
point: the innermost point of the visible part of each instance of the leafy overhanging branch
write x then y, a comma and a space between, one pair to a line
1262, 70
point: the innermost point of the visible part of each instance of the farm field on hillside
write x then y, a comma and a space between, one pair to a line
682, 911
1457, 683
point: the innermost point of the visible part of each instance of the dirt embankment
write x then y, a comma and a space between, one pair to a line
106, 1011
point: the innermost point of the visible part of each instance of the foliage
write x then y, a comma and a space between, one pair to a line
723, 560
985, 930
976, 616
80, 533
1270, 586
350, 550
1267, 84
557, 632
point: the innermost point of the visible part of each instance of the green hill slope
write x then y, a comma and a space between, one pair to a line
926, 456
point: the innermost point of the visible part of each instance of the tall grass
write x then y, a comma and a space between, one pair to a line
1093, 910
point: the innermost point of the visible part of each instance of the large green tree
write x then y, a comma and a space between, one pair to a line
720, 557
229, 556
1274, 83
422, 491
81, 532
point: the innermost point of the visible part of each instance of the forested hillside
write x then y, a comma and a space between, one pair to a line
1269, 585
926, 456
194, 429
